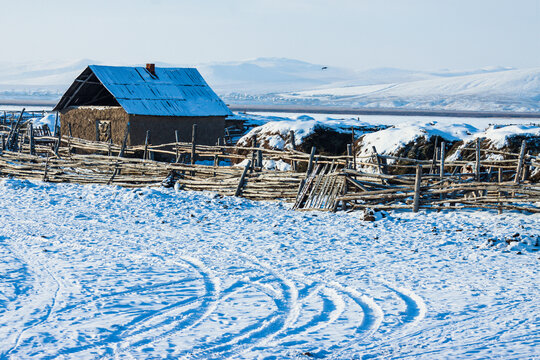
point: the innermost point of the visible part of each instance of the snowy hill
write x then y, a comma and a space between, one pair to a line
507, 90
288, 81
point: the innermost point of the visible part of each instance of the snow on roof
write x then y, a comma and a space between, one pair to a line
170, 92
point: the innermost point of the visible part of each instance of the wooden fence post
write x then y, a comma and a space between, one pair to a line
193, 144
124, 143
56, 125
294, 165
58, 142
349, 156
228, 139
499, 193
216, 156
14, 133
380, 164
434, 160
146, 139
441, 166
477, 167
177, 146
310, 163
417, 184
520, 162
242, 177
353, 148
259, 158
526, 168
97, 130
32, 144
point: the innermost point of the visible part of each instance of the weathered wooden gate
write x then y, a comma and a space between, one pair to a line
321, 189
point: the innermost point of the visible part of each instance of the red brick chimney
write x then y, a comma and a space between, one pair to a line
151, 69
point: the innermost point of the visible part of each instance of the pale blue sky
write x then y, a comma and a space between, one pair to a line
414, 34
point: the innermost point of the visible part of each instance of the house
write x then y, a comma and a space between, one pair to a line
104, 99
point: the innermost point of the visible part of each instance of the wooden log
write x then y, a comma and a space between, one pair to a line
242, 177
519, 167
417, 183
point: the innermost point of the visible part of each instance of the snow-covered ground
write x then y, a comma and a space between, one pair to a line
93, 272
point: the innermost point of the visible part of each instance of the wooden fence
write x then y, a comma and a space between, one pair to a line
325, 183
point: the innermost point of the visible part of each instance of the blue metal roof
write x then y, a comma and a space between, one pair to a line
171, 92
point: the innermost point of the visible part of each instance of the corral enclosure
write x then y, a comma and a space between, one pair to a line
361, 178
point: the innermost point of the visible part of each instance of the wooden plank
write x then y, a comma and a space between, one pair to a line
242, 177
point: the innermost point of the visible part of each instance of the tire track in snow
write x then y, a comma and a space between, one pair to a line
286, 302
333, 306
36, 322
373, 313
416, 308
189, 318
415, 311
112, 341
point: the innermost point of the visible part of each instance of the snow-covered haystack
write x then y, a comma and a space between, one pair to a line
415, 141
329, 136
307, 133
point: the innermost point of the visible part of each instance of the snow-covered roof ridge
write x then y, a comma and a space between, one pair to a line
166, 92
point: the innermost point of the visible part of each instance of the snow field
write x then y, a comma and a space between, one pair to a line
103, 272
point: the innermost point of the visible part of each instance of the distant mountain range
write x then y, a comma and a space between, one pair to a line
286, 81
